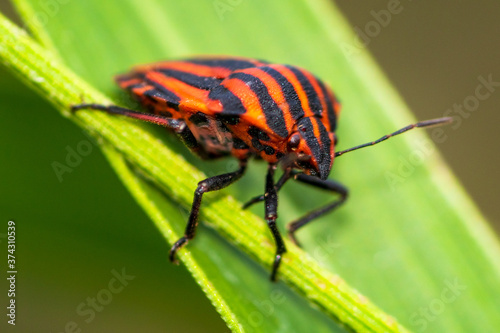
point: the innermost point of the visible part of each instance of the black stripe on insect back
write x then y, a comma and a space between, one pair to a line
325, 145
288, 90
200, 82
231, 104
164, 93
312, 96
306, 128
231, 64
154, 96
332, 118
274, 115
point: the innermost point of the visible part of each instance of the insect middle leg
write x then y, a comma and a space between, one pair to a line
210, 184
286, 176
329, 185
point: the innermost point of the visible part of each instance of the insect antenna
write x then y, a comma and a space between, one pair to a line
425, 123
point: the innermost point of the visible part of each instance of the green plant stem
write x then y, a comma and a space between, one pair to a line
41, 71
159, 215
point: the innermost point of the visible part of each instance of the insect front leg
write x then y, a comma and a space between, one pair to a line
329, 185
210, 184
271, 201
286, 176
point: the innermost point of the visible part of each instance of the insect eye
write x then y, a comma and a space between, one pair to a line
294, 142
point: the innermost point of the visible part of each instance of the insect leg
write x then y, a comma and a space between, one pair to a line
174, 124
328, 185
286, 176
271, 200
210, 184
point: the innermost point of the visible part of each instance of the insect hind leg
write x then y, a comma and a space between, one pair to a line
174, 124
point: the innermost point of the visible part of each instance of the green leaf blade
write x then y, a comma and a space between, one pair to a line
401, 247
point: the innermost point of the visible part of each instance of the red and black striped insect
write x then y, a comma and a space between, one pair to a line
246, 108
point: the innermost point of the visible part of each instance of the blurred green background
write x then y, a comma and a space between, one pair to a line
432, 52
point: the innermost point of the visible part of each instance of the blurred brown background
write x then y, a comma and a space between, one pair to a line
433, 52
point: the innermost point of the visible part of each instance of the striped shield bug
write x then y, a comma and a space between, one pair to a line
221, 106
